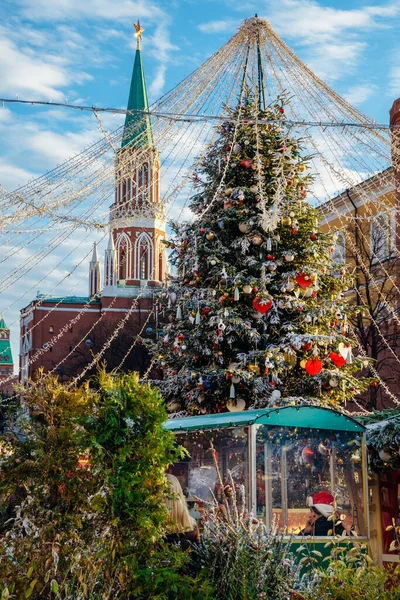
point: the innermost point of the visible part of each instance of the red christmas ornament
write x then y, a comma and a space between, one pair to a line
282, 110
374, 383
304, 280
313, 366
246, 163
307, 346
270, 257
202, 230
294, 230
262, 305
313, 237
337, 359
206, 310
227, 148
181, 336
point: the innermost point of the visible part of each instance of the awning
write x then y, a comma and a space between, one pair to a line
309, 417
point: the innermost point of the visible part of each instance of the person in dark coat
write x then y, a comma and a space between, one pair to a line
318, 523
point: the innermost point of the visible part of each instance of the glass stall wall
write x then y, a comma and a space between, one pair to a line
197, 472
293, 464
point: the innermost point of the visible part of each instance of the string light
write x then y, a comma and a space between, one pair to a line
70, 197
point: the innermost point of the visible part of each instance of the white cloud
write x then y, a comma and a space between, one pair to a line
23, 75
92, 9
160, 47
158, 81
222, 26
329, 36
358, 94
57, 148
12, 177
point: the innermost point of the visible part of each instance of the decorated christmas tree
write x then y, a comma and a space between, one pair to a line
256, 314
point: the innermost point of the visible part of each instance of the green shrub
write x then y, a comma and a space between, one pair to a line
349, 574
89, 530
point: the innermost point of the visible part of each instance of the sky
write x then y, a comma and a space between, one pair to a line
81, 52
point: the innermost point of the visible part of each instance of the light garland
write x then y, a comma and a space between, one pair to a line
58, 196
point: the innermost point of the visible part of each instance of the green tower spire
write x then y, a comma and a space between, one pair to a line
137, 129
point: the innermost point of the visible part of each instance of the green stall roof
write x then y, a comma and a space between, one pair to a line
310, 417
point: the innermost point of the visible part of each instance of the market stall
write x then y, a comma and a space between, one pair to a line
277, 459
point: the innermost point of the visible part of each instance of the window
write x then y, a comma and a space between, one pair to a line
198, 474
144, 257
379, 237
124, 257
293, 465
142, 183
143, 267
279, 474
339, 252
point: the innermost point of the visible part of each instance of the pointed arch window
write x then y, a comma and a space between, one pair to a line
124, 256
143, 267
143, 182
144, 252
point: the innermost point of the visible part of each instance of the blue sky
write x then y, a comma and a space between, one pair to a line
82, 50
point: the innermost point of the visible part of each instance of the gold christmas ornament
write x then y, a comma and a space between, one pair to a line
236, 406
302, 168
256, 240
303, 364
286, 221
290, 357
210, 236
244, 227
247, 289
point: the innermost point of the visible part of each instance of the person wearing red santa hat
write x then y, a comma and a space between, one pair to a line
318, 524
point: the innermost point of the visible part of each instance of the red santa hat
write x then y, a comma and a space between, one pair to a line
323, 502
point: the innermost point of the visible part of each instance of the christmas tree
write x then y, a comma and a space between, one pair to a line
256, 315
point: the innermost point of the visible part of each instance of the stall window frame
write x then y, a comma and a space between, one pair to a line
268, 511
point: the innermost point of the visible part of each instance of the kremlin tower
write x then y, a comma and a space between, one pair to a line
135, 255
62, 334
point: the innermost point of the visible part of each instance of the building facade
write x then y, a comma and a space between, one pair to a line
365, 220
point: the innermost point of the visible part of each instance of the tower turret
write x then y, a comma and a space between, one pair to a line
94, 273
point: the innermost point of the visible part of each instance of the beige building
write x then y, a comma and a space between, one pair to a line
364, 219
